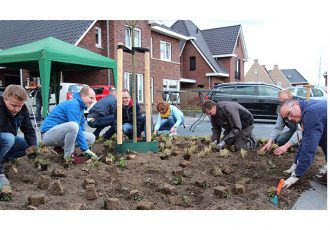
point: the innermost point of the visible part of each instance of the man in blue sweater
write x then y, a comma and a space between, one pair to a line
312, 115
64, 126
102, 114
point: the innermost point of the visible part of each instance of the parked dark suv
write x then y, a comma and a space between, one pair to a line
259, 98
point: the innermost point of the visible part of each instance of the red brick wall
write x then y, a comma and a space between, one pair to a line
158, 69
201, 66
163, 69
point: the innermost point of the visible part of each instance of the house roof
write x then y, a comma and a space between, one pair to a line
293, 76
222, 41
189, 29
19, 32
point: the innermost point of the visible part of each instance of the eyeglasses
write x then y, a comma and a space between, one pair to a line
289, 114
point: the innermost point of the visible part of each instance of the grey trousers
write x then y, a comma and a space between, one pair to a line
243, 139
65, 135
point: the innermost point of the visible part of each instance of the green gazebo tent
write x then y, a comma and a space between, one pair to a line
52, 56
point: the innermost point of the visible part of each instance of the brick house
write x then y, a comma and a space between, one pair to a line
102, 37
210, 56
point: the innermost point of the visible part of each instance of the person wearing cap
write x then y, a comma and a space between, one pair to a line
102, 114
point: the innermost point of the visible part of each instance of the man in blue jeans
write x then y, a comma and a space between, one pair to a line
14, 115
284, 139
128, 118
102, 114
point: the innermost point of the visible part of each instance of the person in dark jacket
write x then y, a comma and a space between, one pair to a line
128, 118
237, 122
312, 115
65, 124
102, 114
14, 115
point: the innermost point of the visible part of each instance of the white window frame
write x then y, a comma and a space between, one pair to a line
128, 37
165, 51
169, 84
139, 82
98, 32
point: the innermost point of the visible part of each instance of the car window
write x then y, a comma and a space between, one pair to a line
98, 90
317, 92
292, 90
302, 92
244, 90
75, 88
225, 90
268, 91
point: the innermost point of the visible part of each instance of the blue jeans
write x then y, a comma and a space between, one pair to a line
168, 123
127, 128
100, 123
11, 148
285, 137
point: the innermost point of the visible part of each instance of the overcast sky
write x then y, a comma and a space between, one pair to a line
288, 44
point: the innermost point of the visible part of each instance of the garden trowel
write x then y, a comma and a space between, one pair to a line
278, 190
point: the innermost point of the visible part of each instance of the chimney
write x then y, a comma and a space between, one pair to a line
255, 61
275, 66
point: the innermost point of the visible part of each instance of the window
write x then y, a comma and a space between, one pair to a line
268, 91
237, 69
192, 63
98, 37
244, 90
128, 37
302, 92
139, 85
317, 92
172, 85
165, 51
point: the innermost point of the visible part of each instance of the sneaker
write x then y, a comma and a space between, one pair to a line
3, 181
321, 178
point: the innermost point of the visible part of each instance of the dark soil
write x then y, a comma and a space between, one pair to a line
163, 180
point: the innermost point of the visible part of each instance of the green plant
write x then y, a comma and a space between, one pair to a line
177, 180
226, 195
94, 163
122, 162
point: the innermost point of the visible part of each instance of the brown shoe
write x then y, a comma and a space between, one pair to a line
321, 178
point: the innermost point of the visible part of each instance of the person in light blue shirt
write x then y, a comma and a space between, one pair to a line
169, 118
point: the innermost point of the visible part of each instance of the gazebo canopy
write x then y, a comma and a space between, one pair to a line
52, 56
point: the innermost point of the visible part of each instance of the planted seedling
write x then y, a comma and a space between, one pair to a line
122, 162
224, 152
243, 153
177, 180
